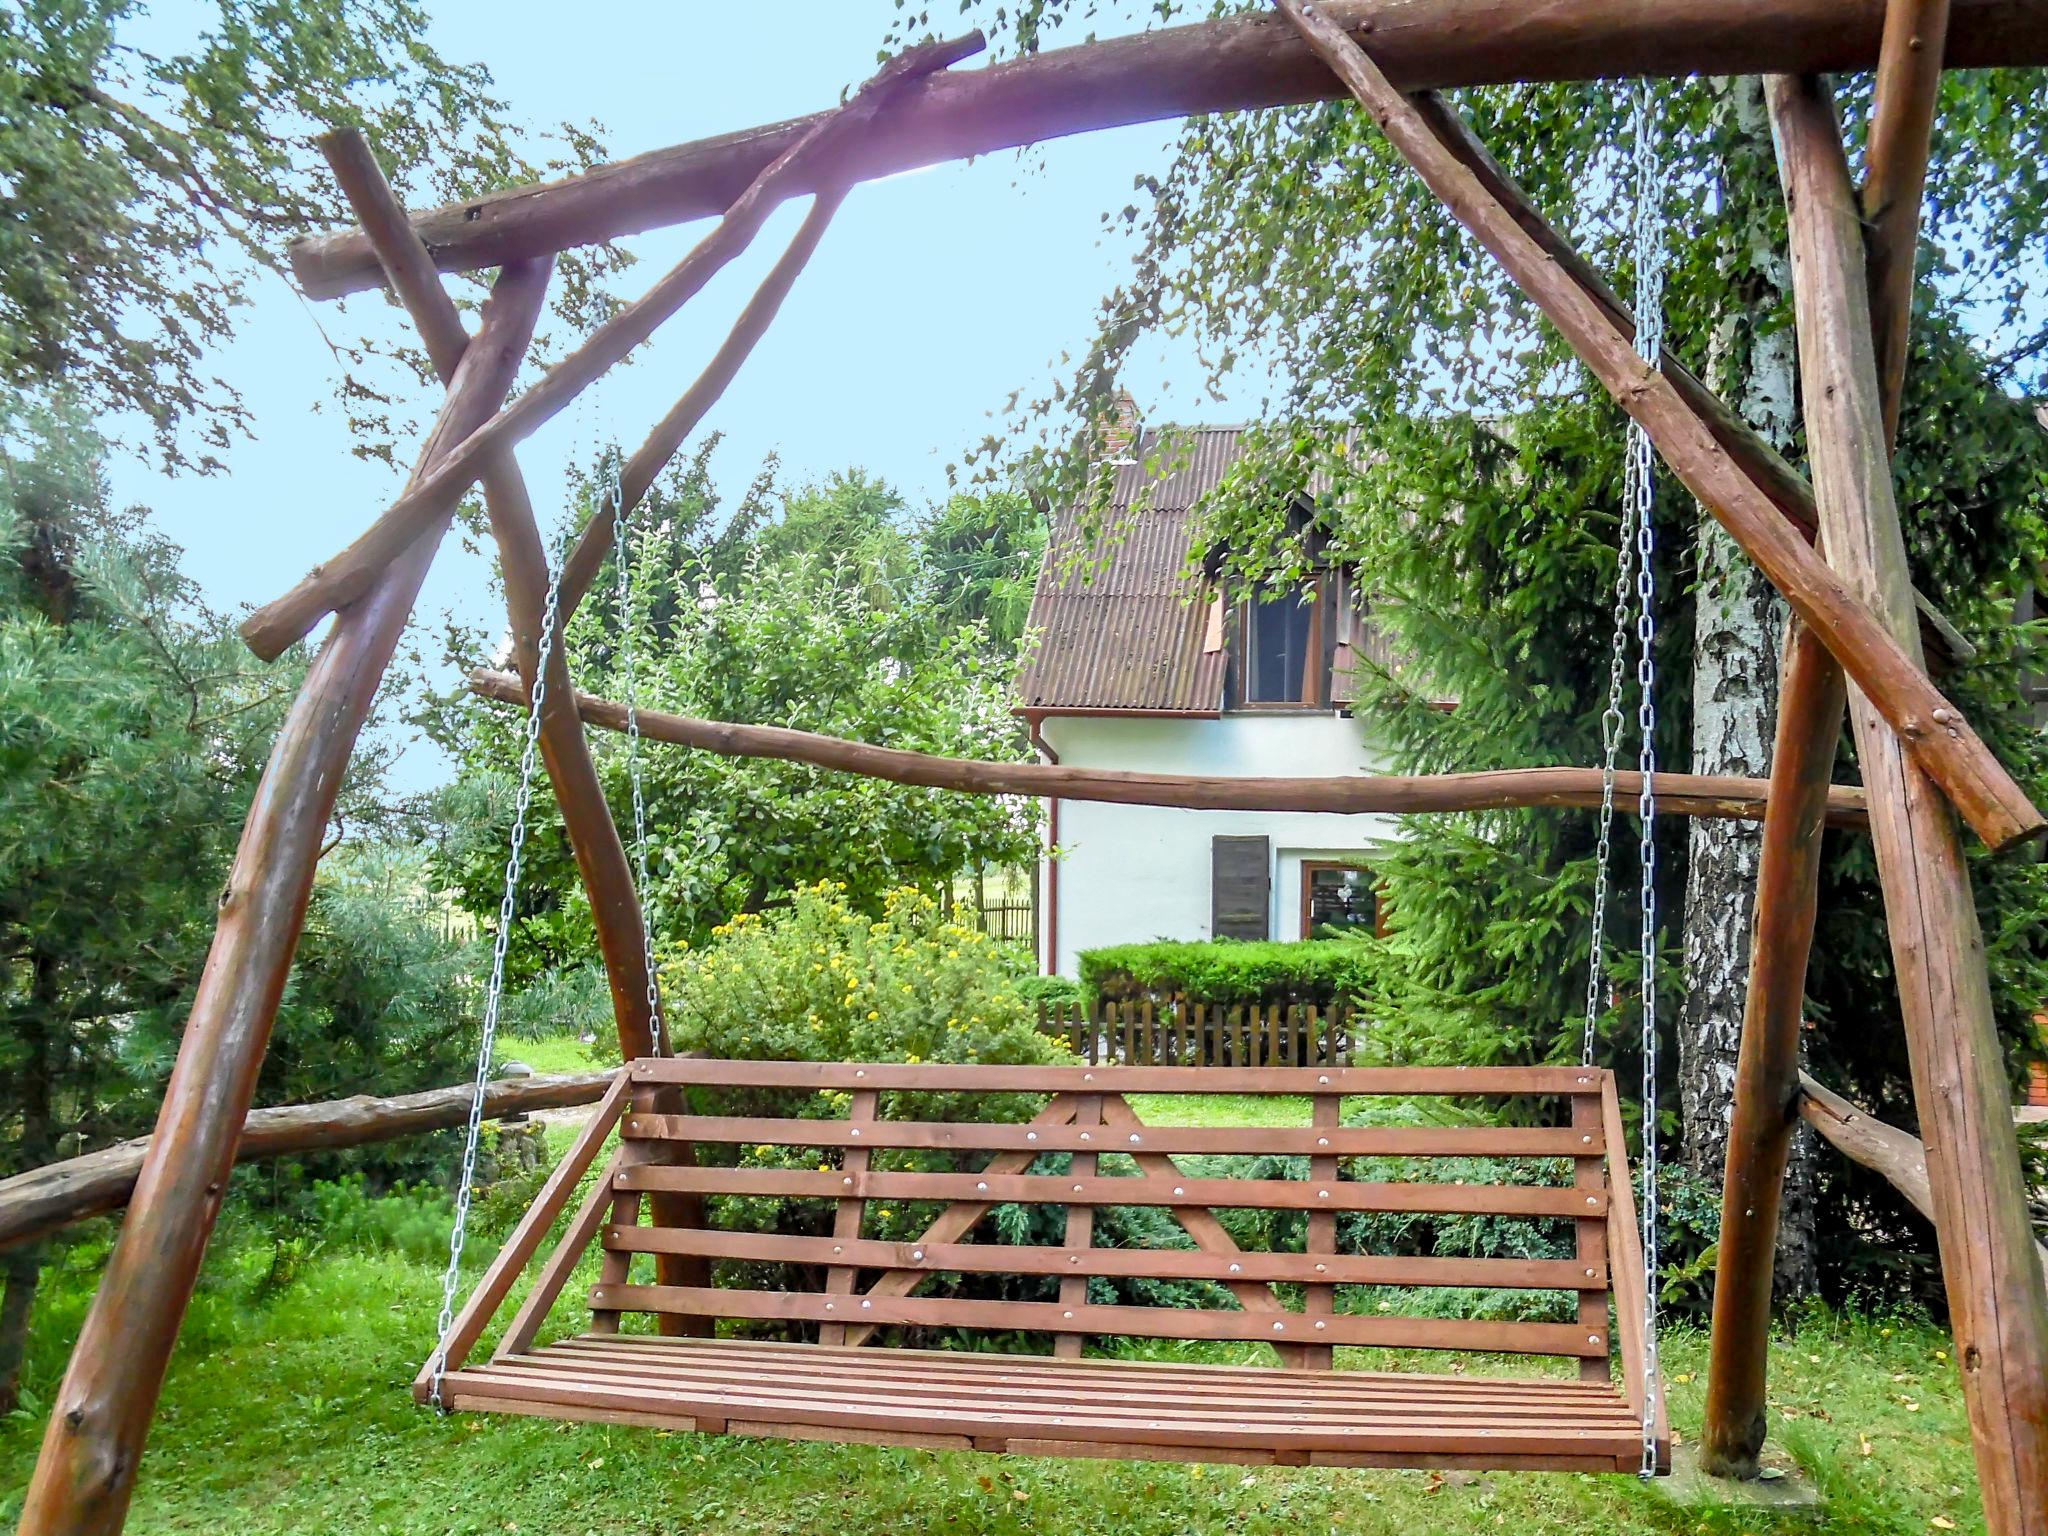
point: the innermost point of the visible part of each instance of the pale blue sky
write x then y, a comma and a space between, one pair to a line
933, 296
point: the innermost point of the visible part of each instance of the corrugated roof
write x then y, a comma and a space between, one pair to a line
1119, 617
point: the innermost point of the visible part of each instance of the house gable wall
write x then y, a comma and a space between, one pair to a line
1134, 873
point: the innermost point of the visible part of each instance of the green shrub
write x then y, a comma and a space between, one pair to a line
818, 981
1048, 989
1226, 971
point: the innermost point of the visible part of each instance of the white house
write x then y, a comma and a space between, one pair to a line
1143, 663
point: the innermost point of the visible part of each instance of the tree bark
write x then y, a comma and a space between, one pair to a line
1737, 622
21, 1270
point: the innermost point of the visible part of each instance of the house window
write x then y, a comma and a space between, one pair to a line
1282, 664
1339, 898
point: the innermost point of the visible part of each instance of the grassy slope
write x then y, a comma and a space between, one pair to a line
287, 1410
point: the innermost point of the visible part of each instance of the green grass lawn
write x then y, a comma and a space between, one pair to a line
288, 1410
555, 1053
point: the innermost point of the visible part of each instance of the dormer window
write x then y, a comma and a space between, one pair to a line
1282, 661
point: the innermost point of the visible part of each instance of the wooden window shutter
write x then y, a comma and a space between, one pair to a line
1240, 887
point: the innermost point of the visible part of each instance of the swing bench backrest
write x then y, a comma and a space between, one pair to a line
940, 1147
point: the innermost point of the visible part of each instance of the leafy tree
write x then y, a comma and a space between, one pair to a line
983, 551
809, 610
133, 728
1486, 509
143, 185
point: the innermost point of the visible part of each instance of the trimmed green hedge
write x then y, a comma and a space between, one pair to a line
1227, 971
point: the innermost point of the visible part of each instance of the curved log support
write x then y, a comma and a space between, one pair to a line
100, 1421
1997, 1304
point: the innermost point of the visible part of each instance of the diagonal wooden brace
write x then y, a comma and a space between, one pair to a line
956, 1220
638, 476
1931, 728
1201, 1225
277, 624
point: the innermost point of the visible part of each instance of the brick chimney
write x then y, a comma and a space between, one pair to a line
1119, 427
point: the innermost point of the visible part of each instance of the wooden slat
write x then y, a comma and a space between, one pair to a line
526, 1238
1381, 1330
1588, 1173
1320, 1299
957, 1220
1080, 1235
582, 1230
981, 1136
1120, 1380
916, 1378
1114, 1263
1053, 1189
1355, 1081
846, 1217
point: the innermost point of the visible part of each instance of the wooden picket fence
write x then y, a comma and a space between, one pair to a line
1183, 1034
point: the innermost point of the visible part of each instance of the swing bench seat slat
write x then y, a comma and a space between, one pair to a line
828, 1290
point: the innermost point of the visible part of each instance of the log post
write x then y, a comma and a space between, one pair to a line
1813, 696
593, 835
594, 840
100, 1419
1997, 1303
1934, 730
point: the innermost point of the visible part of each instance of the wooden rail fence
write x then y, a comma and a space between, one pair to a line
1184, 1034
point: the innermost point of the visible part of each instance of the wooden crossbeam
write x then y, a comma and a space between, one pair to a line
43, 1200
101, 1413
1997, 1303
1230, 64
340, 579
1897, 1156
1678, 794
1931, 727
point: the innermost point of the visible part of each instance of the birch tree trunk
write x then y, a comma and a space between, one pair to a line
1739, 622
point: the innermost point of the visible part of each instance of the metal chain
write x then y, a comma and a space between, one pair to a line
1611, 721
494, 992
1641, 491
622, 564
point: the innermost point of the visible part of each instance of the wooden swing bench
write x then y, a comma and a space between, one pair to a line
1306, 1413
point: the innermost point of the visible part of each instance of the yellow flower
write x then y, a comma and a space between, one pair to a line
764, 1150
873, 1014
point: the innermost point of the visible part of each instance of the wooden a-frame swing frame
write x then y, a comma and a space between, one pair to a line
1854, 641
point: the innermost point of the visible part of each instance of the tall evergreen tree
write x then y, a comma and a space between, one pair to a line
1295, 242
